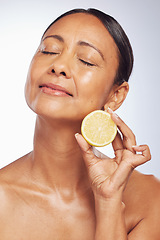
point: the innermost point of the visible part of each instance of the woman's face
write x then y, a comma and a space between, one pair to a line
73, 70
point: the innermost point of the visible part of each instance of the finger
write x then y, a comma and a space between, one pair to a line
127, 166
87, 152
121, 175
144, 156
117, 142
118, 147
128, 137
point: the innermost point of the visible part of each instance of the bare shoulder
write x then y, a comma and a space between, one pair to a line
14, 170
10, 177
146, 187
142, 200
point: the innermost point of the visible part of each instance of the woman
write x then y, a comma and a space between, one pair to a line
61, 190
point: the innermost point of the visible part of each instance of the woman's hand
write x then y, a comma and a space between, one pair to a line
108, 176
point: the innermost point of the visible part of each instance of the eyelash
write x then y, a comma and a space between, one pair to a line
84, 62
87, 63
49, 53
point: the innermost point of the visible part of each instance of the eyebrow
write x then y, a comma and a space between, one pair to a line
54, 36
80, 43
83, 43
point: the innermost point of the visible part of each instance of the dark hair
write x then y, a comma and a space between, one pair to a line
116, 31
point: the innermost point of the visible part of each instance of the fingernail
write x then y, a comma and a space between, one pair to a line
116, 116
135, 146
76, 135
110, 110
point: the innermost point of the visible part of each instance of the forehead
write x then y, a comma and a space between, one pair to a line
82, 26
88, 21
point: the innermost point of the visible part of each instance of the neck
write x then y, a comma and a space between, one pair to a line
57, 159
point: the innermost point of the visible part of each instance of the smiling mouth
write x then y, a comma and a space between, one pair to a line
53, 89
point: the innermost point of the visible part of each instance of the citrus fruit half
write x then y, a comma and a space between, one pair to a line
98, 128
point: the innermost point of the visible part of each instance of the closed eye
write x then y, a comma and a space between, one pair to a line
49, 53
87, 63
84, 62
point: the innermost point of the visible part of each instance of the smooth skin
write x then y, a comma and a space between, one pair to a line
62, 190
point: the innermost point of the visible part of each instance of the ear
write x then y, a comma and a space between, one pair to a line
117, 96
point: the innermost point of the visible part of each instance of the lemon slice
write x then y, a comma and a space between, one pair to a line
98, 128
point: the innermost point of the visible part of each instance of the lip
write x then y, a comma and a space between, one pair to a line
54, 89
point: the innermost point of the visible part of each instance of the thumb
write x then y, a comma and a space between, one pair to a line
86, 149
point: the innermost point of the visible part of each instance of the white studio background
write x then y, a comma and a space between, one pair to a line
21, 25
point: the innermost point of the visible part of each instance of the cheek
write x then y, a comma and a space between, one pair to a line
31, 86
94, 89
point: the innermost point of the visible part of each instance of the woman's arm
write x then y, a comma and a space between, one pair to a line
109, 177
110, 223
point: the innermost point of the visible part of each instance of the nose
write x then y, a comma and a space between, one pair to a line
61, 73
60, 67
